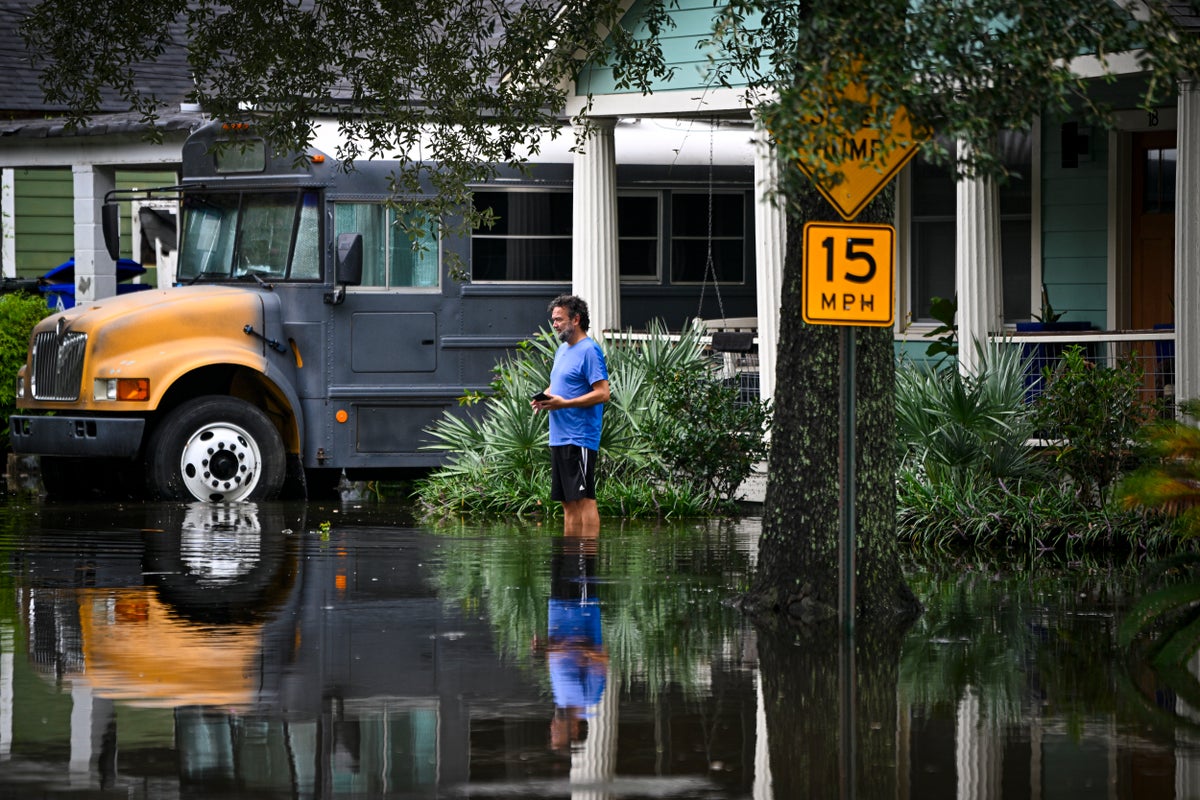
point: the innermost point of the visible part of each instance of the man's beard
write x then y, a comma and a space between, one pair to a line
565, 334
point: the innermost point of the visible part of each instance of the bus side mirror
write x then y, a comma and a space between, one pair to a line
110, 225
349, 259
348, 269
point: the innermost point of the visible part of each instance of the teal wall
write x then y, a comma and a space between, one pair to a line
910, 349
1075, 228
682, 48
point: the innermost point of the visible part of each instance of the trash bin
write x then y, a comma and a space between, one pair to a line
59, 283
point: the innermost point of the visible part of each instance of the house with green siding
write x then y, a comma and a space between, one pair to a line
1088, 229
1087, 232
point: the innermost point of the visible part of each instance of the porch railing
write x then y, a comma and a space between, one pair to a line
732, 343
1153, 350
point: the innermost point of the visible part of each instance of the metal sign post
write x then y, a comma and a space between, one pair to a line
847, 524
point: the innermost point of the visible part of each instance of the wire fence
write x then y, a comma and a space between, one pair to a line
1152, 352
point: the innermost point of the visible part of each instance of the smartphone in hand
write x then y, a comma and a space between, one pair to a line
540, 396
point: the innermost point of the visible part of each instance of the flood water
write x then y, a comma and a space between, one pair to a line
307, 651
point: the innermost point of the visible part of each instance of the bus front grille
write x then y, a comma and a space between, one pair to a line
58, 365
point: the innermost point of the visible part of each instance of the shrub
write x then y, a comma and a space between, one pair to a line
707, 437
970, 477
1026, 516
1091, 416
673, 443
19, 312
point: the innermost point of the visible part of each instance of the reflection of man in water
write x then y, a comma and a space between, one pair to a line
575, 652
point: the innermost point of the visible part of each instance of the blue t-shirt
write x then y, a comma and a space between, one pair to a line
577, 673
576, 368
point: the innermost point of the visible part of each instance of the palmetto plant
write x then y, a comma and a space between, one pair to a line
498, 457
965, 429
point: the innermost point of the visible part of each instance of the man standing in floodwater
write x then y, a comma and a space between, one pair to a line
575, 399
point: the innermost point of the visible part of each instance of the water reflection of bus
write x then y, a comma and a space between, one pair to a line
227, 648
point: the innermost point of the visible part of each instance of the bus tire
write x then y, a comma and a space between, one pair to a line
215, 449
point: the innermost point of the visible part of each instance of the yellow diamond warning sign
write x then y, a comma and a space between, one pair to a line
860, 164
849, 167
849, 274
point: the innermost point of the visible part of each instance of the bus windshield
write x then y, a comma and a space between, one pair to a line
232, 235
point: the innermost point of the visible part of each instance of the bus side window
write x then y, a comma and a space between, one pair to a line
370, 220
415, 252
397, 254
306, 263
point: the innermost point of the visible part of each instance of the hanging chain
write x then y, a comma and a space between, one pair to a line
709, 266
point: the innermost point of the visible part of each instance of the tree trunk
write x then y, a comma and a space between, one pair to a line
797, 573
816, 699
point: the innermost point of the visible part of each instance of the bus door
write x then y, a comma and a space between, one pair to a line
385, 362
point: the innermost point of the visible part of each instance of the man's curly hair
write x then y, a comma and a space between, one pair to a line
573, 305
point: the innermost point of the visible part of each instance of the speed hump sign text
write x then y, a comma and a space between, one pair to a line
848, 274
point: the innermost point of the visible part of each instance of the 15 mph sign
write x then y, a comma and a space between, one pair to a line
848, 274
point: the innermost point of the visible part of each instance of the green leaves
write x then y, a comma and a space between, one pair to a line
968, 429
1168, 480
1091, 414
674, 441
19, 312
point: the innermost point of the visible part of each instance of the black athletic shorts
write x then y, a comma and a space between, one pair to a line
572, 473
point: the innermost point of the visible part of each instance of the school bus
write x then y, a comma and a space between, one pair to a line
307, 336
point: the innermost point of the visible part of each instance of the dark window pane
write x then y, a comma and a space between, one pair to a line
932, 189
932, 264
527, 213
638, 258
1016, 192
531, 240
520, 259
689, 257
1158, 197
638, 235
1014, 248
689, 215
637, 215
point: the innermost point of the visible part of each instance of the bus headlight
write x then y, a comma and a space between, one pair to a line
121, 389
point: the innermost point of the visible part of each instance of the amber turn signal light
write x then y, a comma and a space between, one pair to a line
137, 389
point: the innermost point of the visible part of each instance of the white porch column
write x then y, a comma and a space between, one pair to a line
770, 242
7, 681
1187, 243
978, 753
594, 269
594, 766
977, 266
95, 272
763, 788
8, 211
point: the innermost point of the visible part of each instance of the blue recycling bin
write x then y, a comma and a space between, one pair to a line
58, 285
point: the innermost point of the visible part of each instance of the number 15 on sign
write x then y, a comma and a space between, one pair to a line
849, 274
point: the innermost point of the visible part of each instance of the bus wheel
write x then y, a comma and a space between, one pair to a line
217, 449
